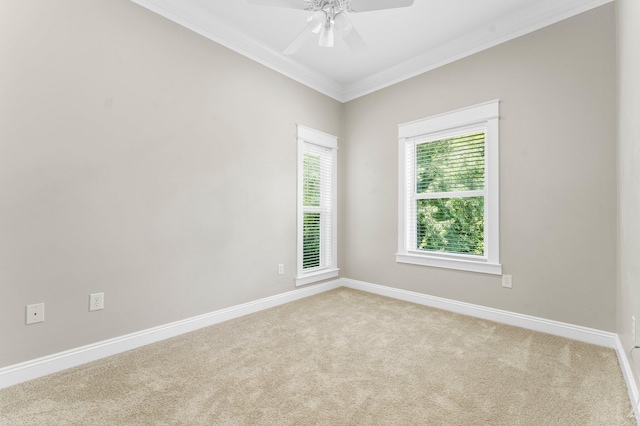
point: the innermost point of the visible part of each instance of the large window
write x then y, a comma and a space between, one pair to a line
448, 200
316, 206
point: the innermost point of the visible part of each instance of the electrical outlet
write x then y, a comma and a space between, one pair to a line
96, 301
507, 281
35, 313
633, 328
281, 269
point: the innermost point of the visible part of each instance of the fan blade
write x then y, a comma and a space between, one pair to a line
369, 5
298, 41
291, 4
354, 40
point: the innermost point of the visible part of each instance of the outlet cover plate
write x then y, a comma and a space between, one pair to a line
35, 313
96, 301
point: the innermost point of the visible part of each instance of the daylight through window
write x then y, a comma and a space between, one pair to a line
448, 181
449, 194
316, 206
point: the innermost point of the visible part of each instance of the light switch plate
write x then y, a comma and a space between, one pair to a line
507, 281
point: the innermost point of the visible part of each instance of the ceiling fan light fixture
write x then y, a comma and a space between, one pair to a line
342, 24
326, 17
316, 20
326, 36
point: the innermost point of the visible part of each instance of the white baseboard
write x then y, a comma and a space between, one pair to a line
33, 369
570, 331
629, 378
29, 370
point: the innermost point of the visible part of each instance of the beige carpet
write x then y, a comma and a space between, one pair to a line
342, 357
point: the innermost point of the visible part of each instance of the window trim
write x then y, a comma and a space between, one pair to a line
487, 115
306, 135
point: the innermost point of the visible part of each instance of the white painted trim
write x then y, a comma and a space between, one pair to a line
317, 137
402, 194
627, 373
459, 118
309, 136
556, 328
450, 263
33, 369
483, 116
203, 22
313, 277
460, 194
508, 28
492, 200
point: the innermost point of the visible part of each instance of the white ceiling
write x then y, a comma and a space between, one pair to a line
402, 42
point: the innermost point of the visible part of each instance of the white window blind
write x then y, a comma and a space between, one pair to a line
317, 154
448, 206
446, 192
316, 207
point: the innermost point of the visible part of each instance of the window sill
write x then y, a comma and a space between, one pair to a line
459, 264
316, 276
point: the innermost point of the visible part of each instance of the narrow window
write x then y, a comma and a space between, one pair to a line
317, 153
449, 190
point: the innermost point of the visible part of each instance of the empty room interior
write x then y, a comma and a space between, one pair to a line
319, 212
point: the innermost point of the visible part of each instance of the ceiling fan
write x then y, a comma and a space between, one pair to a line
329, 17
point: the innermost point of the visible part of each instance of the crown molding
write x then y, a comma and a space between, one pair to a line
506, 29
203, 22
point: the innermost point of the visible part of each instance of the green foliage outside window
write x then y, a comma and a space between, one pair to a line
452, 224
311, 241
312, 220
311, 180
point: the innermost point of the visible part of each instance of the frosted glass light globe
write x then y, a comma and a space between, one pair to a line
326, 36
316, 20
342, 23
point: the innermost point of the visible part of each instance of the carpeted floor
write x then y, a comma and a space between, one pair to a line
342, 357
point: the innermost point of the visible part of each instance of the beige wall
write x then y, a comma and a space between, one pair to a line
136, 158
557, 173
628, 16
140, 160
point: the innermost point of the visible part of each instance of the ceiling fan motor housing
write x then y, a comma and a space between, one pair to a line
329, 16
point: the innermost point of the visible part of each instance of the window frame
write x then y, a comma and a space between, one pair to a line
329, 269
481, 116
